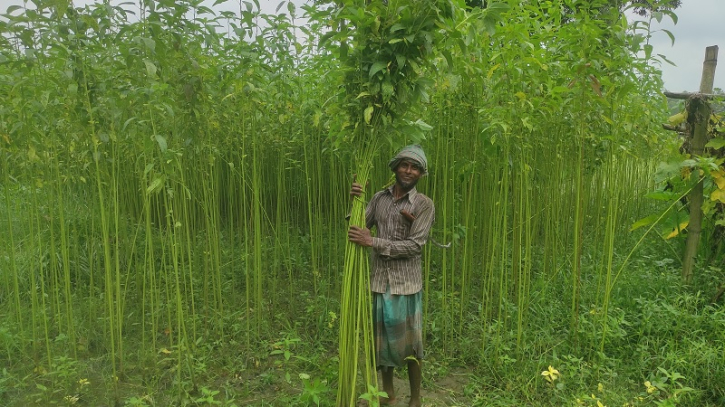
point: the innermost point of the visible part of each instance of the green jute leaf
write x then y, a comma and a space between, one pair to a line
369, 114
663, 195
377, 67
155, 185
644, 222
150, 68
716, 143
162, 143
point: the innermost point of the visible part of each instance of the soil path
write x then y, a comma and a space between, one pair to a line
446, 392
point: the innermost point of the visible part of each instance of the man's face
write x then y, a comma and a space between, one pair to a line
407, 174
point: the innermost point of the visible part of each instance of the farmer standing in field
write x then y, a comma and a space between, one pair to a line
403, 218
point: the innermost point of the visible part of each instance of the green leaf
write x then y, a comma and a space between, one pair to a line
672, 37
369, 114
155, 185
150, 68
127, 122
377, 67
162, 143
644, 222
397, 27
663, 195
648, 51
325, 38
401, 60
149, 43
716, 143
422, 125
497, 7
388, 89
449, 58
678, 118
61, 7
671, 15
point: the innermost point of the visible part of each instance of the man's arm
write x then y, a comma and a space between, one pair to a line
417, 237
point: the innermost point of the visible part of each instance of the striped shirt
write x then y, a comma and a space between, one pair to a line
397, 248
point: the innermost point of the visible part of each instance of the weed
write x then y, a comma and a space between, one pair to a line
373, 396
314, 391
207, 398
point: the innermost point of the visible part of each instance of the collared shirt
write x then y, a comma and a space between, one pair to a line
397, 248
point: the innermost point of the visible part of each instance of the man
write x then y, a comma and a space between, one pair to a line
403, 218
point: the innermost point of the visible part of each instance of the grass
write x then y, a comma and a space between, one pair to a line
659, 332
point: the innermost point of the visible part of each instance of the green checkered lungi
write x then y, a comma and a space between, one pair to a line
397, 327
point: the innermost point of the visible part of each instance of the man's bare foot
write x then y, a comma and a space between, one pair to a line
387, 401
384, 401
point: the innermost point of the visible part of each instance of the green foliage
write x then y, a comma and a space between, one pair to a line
207, 398
385, 48
173, 193
373, 395
315, 390
677, 177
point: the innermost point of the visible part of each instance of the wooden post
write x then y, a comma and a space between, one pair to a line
698, 112
708, 69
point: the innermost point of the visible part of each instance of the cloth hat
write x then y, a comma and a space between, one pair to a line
413, 152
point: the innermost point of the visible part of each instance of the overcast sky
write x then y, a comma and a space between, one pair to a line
701, 23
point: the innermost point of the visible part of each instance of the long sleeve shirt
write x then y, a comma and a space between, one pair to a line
397, 247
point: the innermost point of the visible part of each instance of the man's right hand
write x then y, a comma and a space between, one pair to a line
356, 190
360, 236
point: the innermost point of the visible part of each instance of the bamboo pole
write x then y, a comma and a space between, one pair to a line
699, 110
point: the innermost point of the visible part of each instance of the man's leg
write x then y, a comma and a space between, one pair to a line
388, 385
415, 376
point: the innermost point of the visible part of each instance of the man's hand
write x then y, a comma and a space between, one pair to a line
360, 236
356, 190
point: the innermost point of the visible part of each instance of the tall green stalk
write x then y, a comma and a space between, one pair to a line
356, 301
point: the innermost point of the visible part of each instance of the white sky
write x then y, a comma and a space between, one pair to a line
701, 23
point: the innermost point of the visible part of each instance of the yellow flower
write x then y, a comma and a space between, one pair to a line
84, 382
600, 387
650, 388
550, 374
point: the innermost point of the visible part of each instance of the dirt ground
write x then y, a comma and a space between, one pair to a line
446, 392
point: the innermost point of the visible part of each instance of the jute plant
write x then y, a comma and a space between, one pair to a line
384, 46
